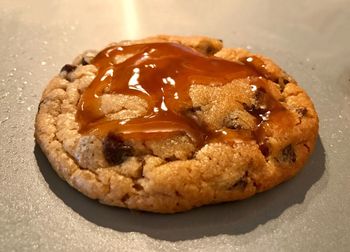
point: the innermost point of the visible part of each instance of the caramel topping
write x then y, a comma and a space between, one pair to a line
162, 73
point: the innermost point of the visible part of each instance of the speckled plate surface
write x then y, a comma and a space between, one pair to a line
309, 39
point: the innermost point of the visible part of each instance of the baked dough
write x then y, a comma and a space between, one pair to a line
173, 174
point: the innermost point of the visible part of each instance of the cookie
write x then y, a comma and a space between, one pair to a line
169, 123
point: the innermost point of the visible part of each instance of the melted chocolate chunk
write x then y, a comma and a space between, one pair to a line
259, 112
115, 151
288, 154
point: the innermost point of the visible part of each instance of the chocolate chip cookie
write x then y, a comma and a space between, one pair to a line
169, 123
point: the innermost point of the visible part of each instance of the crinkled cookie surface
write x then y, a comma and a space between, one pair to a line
173, 173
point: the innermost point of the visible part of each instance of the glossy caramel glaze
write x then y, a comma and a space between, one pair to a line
162, 73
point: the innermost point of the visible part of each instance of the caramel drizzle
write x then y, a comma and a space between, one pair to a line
161, 73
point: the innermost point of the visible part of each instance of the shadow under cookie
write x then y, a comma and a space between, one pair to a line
228, 218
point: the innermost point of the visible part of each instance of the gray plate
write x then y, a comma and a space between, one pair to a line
38, 211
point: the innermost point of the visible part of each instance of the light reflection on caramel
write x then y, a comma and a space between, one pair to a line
162, 73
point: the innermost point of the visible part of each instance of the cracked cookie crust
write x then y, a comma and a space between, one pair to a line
169, 123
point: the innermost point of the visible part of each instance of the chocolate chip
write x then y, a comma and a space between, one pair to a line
259, 112
195, 109
210, 50
137, 187
171, 158
246, 106
85, 61
68, 68
260, 95
260, 100
206, 48
256, 112
288, 154
264, 149
125, 198
241, 183
283, 80
66, 72
115, 150
259, 109
301, 111
88, 57
85, 58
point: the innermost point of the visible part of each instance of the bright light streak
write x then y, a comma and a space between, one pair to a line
130, 18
